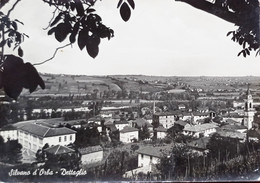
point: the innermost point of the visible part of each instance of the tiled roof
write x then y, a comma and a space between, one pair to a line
181, 122
44, 131
58, 149
253, 133
199, 128
200, 143
121, 122
160, 129
8, 127
234, 127
165, 113
157, 151
142, 122
128, 129
231, 134
91, 149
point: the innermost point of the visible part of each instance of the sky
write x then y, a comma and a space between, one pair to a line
162, 37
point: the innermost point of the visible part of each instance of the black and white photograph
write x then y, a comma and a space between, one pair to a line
129, 90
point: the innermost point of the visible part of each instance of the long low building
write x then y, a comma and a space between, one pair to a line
34, 136
200, 130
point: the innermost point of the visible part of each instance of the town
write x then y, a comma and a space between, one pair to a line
132, 127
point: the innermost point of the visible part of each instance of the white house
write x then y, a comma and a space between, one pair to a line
150, 155
121, 124
128, 134
34, 136
92, 154
161, 132
200, 130
8, 132
165, 119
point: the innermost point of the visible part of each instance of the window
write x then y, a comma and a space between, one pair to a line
59, 139
70, 137
142, 156
65, 138
151, 158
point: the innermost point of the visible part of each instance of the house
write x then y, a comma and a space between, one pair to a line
33, 136
235, 127
165, 119
8, 132
203, 130
232, 134
148, 158
199, 145
121, 124
128, 134
160, 132
140, 123
180, 125
253, 135
59, 150
92, 154
181, 107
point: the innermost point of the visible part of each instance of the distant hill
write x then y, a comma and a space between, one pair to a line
81, 85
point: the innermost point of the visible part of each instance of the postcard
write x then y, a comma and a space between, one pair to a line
127, 90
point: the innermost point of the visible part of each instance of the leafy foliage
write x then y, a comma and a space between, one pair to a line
76, 19
248, 33
17, 75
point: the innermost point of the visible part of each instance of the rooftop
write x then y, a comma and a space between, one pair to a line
199, 128
200, 143
181, 122
142, 122
234, 127
91, 149
231, 134
58, 149
44, 131
157, 151
127, 129
8, 127
160, 129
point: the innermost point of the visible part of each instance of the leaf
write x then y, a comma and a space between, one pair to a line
79, 8
14, 24
132, 3
20, 51
119, 3
125, 12
12, 76
17, 75
90, 10
62, 30
92, 45
244, 53
247, 51
32, 78
74, 33
57, 19
229, 33
51, 31
82, 38
2, 43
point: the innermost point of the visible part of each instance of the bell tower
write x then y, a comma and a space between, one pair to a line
249, 110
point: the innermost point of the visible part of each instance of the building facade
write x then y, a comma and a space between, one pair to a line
34, 136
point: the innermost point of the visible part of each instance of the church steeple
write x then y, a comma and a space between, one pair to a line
249, 110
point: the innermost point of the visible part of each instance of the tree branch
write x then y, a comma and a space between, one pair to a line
211, 8
57, 49
53, 14
8, 13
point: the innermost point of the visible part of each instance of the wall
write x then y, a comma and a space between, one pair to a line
127, 137
92, 157
145, 160
11, 134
